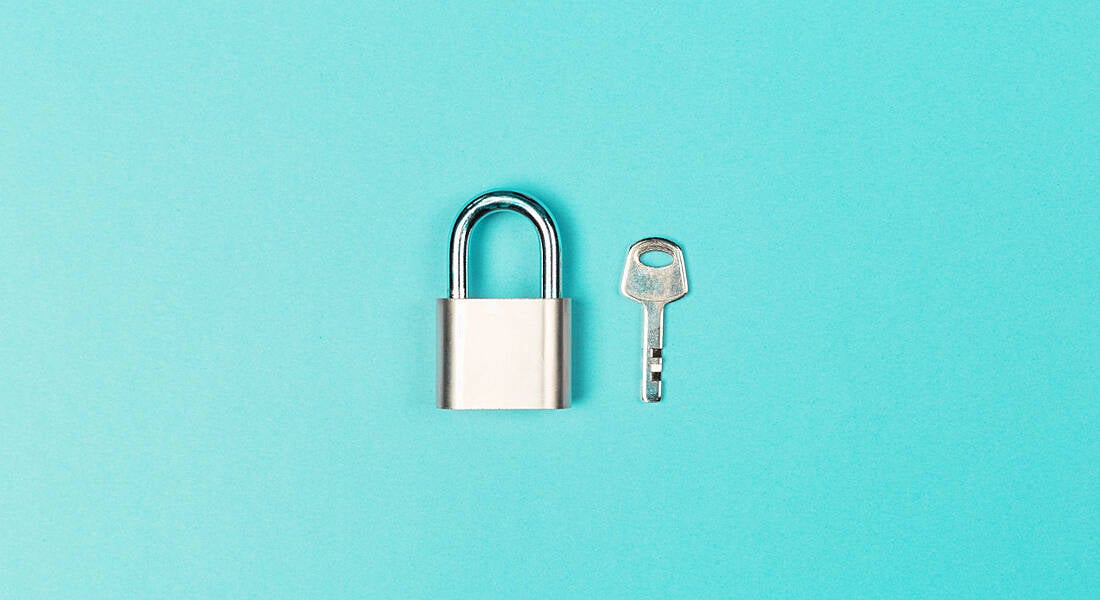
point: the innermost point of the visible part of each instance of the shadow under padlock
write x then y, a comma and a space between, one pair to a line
504, 352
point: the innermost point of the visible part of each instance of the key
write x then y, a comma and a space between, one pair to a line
654, 287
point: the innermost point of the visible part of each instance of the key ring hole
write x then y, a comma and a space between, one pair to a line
656, 259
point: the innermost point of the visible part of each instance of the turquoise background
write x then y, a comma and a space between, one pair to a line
222, 231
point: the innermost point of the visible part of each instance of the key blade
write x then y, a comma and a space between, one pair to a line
653, 318
654, 284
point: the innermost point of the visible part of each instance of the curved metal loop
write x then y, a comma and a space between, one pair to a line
516, 202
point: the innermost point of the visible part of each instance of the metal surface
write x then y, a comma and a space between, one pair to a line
654, 287
504, 353
515, 202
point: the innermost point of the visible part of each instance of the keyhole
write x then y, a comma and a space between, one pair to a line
656, 258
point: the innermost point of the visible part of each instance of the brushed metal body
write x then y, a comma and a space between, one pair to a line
504, 353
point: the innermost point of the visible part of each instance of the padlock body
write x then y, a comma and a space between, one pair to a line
504, 353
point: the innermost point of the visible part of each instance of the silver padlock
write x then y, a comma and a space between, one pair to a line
504, 353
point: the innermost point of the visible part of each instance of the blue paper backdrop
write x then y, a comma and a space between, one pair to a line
222, 230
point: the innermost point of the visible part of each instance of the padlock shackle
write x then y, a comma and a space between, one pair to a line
515, 202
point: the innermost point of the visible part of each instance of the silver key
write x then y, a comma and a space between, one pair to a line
654, 287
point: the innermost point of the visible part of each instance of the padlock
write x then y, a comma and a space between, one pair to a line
504, 353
